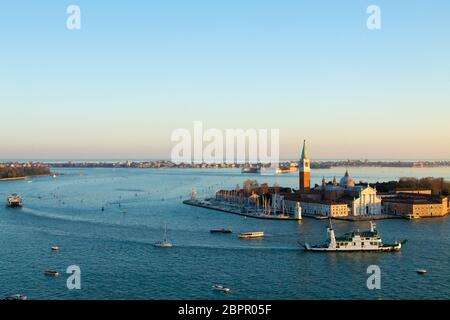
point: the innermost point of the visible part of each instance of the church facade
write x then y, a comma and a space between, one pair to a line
361, 200
332, 198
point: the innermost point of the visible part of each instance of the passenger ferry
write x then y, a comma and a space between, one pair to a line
355, 241
14, 200
248, 235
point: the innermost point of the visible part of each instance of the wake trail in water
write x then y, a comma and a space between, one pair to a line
146, 229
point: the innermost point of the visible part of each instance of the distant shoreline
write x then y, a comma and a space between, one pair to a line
282, 165
285, 166
13, 179
26, 177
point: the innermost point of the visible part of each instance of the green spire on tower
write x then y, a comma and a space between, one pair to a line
304, 151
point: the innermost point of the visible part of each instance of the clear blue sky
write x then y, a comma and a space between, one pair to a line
139, 69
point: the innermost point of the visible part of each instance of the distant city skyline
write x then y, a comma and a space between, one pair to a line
117, 88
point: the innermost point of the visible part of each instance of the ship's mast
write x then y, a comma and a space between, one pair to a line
165, 232
332, 236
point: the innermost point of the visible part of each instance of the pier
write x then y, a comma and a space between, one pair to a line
234, 209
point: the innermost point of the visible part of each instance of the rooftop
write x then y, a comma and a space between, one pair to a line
413, 198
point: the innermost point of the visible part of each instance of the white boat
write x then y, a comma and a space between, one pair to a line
55, 248
249, 235
355, 241
52, 273
14, 200
16, 297
218, 287
165, 243
421, 271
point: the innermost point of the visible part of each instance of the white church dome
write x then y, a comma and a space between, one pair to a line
347, 180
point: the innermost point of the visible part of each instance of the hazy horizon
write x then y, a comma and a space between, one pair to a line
168, 159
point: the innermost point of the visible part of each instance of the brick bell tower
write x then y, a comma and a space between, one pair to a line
304, 170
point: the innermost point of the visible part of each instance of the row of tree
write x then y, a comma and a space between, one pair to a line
438, 186
16, 171
252, 186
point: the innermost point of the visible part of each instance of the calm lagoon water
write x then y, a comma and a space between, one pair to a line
114, 248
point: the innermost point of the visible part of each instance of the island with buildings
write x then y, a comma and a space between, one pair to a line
338, 199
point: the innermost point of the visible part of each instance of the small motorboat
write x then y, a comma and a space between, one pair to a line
51, 273
421, 271
55, 248
220, 231
218, 287
16, 297
164, 243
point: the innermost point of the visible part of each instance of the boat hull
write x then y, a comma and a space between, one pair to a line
251, 235
14, 201
221, 231
386, 248
14, 205
163, 246
221, 289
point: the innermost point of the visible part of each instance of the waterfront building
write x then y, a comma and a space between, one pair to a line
294, 204
411, 205
336, 198
361, 200
332, 198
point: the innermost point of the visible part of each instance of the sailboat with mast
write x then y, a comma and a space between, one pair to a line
165, 243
